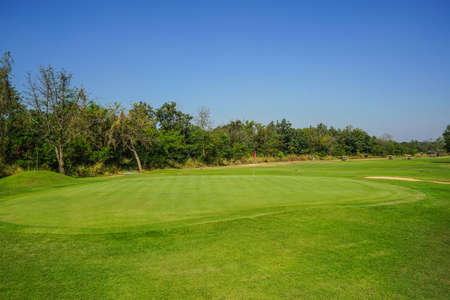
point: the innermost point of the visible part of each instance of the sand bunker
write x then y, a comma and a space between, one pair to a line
405, 179
393, 178
441, 182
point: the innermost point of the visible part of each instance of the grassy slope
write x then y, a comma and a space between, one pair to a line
32, 181
331, 251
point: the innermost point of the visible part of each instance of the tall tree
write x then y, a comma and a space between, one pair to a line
203, 119
5, 83
5, 98
137, 128
57, 109
171, 119
10, 104
286, 135
446, 136
202, 136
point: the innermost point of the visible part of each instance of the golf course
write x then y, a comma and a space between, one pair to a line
360, 229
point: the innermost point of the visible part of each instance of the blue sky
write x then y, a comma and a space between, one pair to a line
383, 66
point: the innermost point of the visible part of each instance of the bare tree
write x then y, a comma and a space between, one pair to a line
386, 137
203, 119
57, 109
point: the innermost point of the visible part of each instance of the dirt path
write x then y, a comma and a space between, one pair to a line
405, 179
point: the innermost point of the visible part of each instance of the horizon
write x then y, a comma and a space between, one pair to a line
382, 67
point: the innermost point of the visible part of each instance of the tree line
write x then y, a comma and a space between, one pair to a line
53, 125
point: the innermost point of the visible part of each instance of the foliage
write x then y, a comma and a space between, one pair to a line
446, 136
57, 109
133, 130
59, 128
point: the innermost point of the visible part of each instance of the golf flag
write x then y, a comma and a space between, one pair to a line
254, 155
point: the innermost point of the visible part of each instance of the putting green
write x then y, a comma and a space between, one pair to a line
130, 202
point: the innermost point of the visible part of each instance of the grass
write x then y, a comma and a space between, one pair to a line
313, 230
31, 181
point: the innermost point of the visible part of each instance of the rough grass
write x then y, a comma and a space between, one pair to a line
307, 231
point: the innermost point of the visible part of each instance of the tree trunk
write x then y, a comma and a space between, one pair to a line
60, 158
137, 160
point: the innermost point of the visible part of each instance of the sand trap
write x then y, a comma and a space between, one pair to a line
441, 182
393, 178
405, 179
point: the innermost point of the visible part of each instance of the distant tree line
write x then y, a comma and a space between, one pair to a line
53, 125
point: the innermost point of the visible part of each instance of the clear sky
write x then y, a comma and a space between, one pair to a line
383, 66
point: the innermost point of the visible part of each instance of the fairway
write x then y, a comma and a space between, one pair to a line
312, 230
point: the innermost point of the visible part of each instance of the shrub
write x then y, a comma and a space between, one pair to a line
193, 163
7, 170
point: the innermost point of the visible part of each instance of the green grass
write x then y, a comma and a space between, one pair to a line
313, 230
32, 181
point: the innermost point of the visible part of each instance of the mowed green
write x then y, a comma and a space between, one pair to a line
118, 204
312, 230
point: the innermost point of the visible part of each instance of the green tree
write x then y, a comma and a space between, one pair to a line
171, 119
10, 105
286, 135
202, 135
100, 120
446, 136
135, 129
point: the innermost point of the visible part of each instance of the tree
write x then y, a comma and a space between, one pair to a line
100, 120
446, 136
5, 83
5, 99
137, 128
10, 106
57, 109
202, 136
203, 119
286, 133
171, 119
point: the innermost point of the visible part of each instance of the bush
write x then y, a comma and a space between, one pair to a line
89, 171
2, 169
7, 170
193, 163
